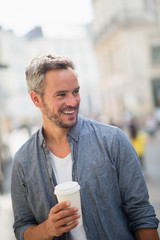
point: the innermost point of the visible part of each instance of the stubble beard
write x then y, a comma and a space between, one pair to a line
56, 118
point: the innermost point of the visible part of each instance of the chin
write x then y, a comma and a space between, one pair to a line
66, 124
69, 124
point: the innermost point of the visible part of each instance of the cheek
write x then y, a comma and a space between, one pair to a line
59, 104
78, 99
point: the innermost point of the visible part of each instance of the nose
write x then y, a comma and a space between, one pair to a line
71, 100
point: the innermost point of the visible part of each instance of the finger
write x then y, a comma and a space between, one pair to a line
67, 212
59, 206
68, 227
65, 228
68, 220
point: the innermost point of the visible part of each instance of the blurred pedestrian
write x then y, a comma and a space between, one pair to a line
151, 125
114, 196
138, 139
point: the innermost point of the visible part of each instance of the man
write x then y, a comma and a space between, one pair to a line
99, 157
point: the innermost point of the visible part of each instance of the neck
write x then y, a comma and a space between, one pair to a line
56, 141
54, 133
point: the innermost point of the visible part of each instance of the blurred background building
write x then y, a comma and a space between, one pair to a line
126, 38
17, 52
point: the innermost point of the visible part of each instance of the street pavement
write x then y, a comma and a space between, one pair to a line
151, 172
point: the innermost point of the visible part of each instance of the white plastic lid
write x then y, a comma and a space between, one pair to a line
66, 188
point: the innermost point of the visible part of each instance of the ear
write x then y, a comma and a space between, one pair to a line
35, 99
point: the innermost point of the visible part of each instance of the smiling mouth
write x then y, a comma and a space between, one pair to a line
69, 112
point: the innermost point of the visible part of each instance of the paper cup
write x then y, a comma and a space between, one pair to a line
70, 191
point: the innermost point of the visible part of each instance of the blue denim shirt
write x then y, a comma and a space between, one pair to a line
114, 195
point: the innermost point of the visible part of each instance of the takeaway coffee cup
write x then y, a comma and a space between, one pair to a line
70, 191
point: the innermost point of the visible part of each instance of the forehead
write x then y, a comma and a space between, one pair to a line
61, 79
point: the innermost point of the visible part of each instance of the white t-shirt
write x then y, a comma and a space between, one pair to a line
63, 173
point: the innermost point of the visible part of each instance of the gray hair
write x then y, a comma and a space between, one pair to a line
39, 66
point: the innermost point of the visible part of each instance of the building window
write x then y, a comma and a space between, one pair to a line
155, 54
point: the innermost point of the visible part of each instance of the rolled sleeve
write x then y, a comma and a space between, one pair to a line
134, 192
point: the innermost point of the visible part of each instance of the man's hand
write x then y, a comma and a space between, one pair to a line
62, 218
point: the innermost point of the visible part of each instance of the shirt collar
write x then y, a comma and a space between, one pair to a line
74, 131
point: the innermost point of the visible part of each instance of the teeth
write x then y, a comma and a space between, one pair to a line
69, 112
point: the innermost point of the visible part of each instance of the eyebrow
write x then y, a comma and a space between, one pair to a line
65, 91
77, 88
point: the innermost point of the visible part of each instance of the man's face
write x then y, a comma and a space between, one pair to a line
61, 99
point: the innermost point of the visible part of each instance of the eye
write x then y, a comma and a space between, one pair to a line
61, 95
76, 91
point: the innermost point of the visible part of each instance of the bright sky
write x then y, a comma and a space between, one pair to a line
21, 16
